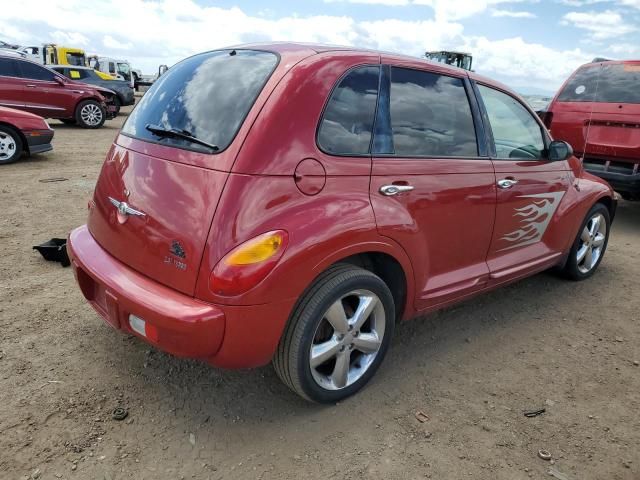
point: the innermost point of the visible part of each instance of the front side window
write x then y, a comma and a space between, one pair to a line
36, 72
112, 67
430, 115
8, 68
123, 68
207, 95
347, 124
516, 133
606, 83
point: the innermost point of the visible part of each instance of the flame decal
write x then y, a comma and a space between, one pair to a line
535, 218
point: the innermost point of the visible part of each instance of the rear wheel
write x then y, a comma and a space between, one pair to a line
90, 114
337, 336
590, 244
10, 145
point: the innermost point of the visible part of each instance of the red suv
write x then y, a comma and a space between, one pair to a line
291, 203
597, 111
27, 86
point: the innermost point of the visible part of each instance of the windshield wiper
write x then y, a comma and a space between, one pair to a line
183, 134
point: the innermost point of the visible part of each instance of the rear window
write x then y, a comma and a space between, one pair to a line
208, 95
615, 83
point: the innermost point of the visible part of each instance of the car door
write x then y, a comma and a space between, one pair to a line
43, 94
11, 85
530, 189
432, 185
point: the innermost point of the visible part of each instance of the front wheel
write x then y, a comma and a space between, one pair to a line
337, 336
590, 244
90, 114
10, 145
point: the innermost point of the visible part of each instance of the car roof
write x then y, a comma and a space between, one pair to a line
292, 48
289, 48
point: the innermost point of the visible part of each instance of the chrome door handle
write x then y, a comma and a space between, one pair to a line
31, 85
507, 182
389, 190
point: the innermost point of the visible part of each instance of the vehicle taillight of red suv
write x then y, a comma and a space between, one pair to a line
290, 203
597, 111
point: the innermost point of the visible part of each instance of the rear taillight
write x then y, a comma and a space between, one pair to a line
248, 264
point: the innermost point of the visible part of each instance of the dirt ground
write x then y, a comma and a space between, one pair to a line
472, 370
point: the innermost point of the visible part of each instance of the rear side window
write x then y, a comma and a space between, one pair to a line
8, 68
347, 123
35, 72
207, 95
615, 83
430, 115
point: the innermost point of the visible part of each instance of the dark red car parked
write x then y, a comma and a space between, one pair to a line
291, 203
27, 86
22, 132
597, 111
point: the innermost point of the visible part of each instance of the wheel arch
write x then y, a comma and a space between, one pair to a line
387, 261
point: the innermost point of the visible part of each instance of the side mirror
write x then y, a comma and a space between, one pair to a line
58, 80
559, 150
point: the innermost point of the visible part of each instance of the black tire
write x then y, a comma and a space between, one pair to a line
574, 269
292, 359
94, 107
117, 103
10, 145
68, 121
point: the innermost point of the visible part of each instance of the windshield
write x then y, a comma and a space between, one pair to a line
208, 95
76, 59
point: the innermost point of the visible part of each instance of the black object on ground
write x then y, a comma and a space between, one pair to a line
119, 413
55, 250
534, 413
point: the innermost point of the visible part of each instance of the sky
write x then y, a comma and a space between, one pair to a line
530, 45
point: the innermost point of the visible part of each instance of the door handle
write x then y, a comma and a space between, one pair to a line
31, 85
389, 190
507, 182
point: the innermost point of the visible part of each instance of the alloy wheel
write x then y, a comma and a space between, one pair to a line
592, 240
347, 340
91, 114
7, 146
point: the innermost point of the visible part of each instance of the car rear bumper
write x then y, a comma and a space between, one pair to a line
228, 336
185, 327
620, 182
38, 141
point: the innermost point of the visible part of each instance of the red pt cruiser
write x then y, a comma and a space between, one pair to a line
291, 203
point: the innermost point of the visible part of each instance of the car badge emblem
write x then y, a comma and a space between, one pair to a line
177, 249
124, 210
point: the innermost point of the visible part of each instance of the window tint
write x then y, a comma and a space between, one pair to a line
208, 95
35, 72
516, 133
8, 68
430, 115
617, 83
347, 124
76, 59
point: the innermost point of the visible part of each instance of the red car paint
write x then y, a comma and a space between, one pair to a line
603, 128
35, 132
446, 237
56, 98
